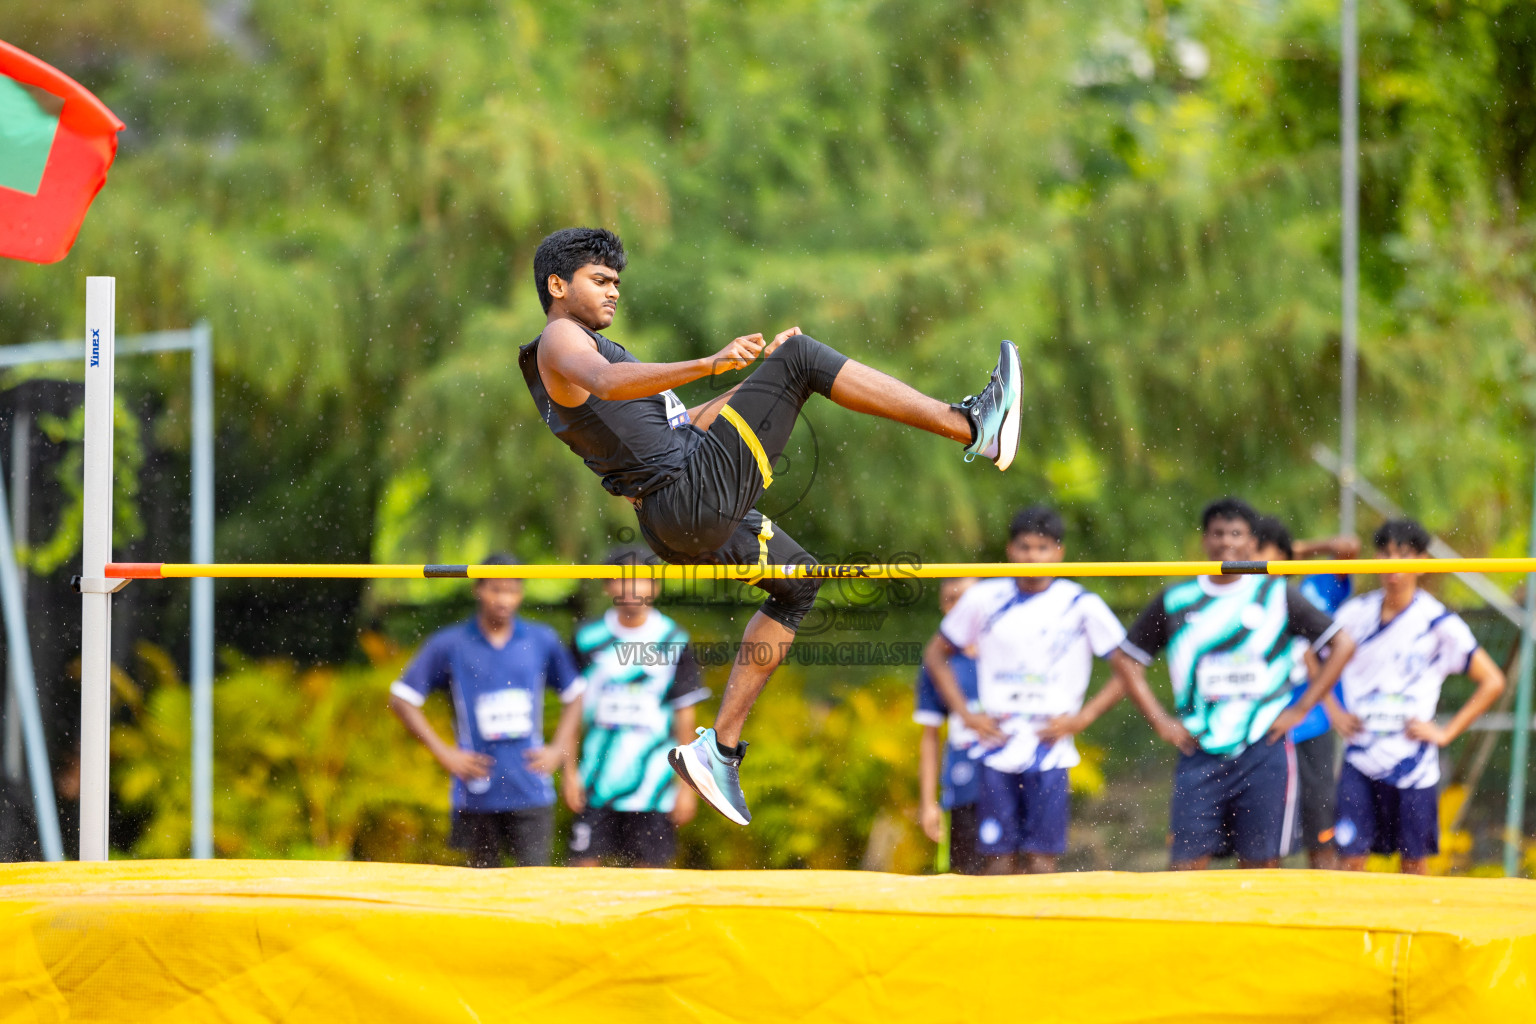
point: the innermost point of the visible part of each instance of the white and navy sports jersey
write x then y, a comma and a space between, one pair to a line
634, 681
1230, 653
1394, 678
1034, 654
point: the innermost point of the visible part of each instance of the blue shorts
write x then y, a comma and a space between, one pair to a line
1243, 806
1022, 812
1377, 817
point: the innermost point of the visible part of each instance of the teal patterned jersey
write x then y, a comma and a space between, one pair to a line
1230, 650
635, 681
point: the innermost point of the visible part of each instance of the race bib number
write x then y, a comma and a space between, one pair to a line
505, 714
677, 412
1221, 677
624, 707
1030, 695
1385, 714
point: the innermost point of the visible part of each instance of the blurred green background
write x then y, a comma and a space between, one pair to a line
1142, 195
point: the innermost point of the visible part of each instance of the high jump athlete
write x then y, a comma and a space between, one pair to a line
695, 475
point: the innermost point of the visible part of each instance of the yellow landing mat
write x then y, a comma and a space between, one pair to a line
172, 941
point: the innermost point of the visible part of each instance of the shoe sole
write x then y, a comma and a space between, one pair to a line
1008, 435
680, 758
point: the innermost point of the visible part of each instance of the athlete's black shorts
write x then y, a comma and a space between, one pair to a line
645, 839
487, 836
707, 515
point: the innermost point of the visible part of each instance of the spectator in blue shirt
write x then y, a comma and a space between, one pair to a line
495, 668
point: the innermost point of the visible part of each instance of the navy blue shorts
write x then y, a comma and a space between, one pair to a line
1225, 806
1377, 817
1022, 812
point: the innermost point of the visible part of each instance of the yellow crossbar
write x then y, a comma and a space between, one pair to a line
868, 571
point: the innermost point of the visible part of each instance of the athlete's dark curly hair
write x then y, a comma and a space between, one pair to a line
568, 250
1405, 533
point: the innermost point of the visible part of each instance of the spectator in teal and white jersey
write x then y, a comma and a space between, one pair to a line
638, 688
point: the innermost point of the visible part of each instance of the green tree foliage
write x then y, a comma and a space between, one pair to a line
1142, 193
309, 763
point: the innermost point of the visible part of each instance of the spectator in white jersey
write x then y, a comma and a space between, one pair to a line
635, 700
1409, 643
1316, 754
956, 794
1230, 659
1035, 640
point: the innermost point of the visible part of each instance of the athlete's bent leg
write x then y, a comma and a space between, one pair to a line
763, 646
712, 763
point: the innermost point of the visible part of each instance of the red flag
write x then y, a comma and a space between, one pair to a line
56, 143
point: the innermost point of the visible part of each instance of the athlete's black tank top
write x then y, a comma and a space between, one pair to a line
636, 445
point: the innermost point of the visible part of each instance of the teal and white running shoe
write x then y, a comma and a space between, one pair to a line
994, 413
712, 775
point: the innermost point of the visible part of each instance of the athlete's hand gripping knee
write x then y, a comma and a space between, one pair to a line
740, 352
779, 339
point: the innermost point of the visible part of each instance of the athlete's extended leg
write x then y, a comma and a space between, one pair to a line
865, 389
770, 399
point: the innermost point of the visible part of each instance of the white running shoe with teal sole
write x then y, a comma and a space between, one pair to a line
994, 413
713, 776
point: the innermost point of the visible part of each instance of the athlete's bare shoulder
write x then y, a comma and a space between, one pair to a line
564, 350
563, 333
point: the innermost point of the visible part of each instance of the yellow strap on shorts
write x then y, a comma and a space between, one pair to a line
734, 419
764, 535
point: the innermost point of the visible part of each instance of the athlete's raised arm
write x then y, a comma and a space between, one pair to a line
572, 367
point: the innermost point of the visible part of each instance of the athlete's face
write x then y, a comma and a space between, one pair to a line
1399, 582
499, 601
1271, 553
591, 296
1230, 540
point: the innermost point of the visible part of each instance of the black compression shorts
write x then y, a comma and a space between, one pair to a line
707, 515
